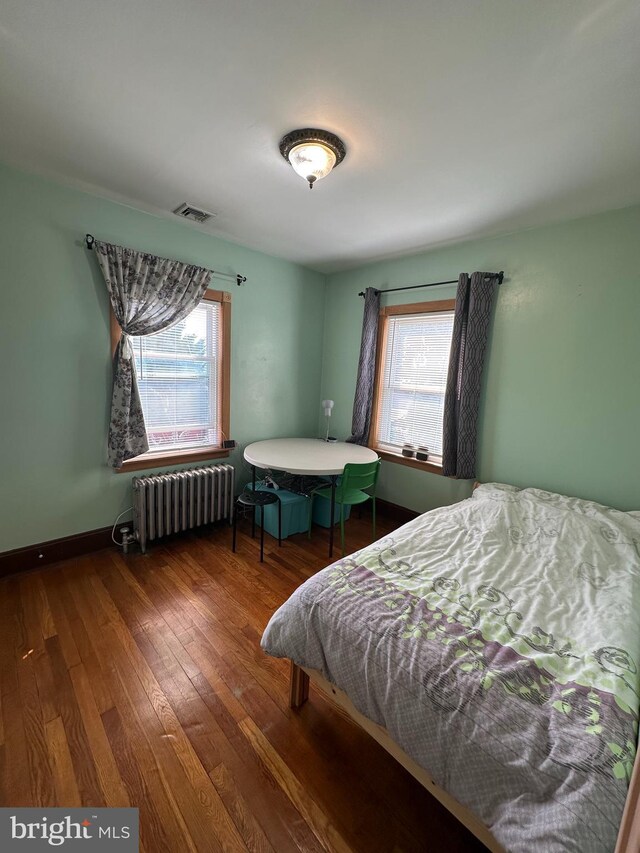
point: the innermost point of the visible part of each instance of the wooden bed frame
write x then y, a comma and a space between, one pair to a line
628, 837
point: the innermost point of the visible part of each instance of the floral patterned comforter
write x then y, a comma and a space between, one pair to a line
497, 640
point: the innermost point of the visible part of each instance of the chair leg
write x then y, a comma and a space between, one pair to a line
310, 516
342, 527
373, 513
261, 534
235, 527
279, 523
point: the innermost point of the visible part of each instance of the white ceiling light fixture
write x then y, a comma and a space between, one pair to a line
312, 153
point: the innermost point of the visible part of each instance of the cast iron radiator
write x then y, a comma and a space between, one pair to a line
170, 503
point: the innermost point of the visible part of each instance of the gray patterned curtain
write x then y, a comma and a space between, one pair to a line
474, 302
147, 294
363, 400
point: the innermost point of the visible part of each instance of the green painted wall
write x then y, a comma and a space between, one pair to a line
561, 408
54, 351
561, 403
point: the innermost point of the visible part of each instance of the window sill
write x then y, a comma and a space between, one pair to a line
431, 467
157, 460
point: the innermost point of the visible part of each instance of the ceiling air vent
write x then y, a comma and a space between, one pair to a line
188, 211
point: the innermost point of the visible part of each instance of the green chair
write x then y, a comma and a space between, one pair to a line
351, 490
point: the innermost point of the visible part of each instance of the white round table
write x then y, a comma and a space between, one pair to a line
310, 456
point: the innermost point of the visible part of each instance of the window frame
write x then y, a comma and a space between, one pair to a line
433, 307
155, 459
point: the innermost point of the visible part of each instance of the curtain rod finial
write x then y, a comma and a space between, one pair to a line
90, 240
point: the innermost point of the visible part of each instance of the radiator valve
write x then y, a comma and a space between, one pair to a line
127, 538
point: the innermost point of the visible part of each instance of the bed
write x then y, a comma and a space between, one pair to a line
492, 647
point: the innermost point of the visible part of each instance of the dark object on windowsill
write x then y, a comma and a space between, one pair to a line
229, 443
409, 450
422, 454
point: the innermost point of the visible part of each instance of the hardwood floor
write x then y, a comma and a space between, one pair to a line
140, 681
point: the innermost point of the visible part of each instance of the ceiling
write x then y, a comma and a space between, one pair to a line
461, 118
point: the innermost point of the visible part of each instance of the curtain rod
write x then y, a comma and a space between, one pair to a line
239, 279
433, 284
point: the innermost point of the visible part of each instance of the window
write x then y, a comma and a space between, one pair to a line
413, 359
183, 379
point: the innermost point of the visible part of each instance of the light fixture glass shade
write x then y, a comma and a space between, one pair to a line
312, 160
312, 152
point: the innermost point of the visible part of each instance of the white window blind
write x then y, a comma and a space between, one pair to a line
178, 372
414, 378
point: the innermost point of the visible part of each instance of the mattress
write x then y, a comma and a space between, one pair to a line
497, 641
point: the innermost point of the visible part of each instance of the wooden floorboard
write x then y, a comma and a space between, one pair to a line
139, 680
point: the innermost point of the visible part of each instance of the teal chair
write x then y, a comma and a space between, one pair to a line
351, 490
